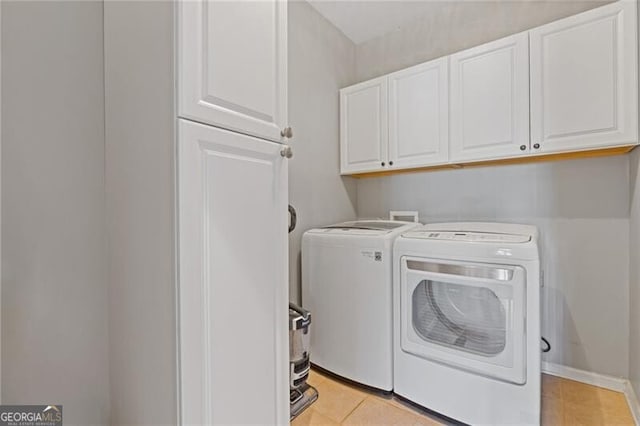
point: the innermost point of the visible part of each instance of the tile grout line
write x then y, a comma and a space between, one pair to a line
399, 405
354, 409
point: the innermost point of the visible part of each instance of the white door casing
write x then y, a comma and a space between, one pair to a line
0, 206
233, 286
419, 115
364, 126
490, 100
232, 65
584, 88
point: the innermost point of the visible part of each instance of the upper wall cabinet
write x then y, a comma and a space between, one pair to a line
232, 65
584, 86
490, 100
363, 126
568, 86
419, 115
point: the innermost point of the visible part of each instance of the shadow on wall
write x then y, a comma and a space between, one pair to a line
554, 311
580, 209
634, 271
634, 168
577, 189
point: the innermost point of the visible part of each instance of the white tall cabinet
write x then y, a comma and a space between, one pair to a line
232, 212
233, 277
232, 69
584, 80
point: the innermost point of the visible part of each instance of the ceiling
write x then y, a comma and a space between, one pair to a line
363, 20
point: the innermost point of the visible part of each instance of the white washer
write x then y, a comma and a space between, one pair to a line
467, 321
347, 286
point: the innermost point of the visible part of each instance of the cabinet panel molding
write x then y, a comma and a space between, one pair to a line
232, 65
233, 297
364, 126
490, 100
419, 115
584, 89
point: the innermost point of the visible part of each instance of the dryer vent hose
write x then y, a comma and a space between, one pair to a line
548, 345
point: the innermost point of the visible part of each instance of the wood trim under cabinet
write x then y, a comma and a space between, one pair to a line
603, 152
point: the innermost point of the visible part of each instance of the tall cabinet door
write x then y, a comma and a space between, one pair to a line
233, 291
584, 89
364, 126
419, 115
232, 65
490, 100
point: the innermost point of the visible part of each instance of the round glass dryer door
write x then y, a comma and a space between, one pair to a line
467, 318
466, 315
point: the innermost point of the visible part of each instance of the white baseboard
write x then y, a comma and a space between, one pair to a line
633, 401
617, 384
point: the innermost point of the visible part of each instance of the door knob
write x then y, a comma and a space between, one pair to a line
286, 152
536, 145
523, 147
287, 132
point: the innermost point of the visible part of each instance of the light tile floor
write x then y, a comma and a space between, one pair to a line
564, 402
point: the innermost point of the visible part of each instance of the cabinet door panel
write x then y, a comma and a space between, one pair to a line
419, 115
233, 287
363, 126
232, 58
583, 80
490, 100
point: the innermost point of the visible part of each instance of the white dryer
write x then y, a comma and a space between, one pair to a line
467, 321
347, 285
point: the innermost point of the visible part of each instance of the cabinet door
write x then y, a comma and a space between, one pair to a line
232, 65
233, 291
584, 90
363, 127
490, 100
419, 115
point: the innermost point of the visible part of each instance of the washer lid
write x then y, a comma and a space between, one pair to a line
484, 237
368, 225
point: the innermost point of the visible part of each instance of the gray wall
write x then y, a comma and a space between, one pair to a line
321, 61
54, 292
581, 206
634, 269
634, 274
140, 210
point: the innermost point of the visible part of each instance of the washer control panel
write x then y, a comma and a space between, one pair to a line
483, 237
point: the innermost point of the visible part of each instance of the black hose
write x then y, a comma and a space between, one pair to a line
548, 348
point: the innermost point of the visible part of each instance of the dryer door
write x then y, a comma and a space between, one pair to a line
467, 315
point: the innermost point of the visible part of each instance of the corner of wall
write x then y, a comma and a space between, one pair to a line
634, 271
321, 61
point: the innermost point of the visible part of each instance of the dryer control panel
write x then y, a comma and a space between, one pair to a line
483, 237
